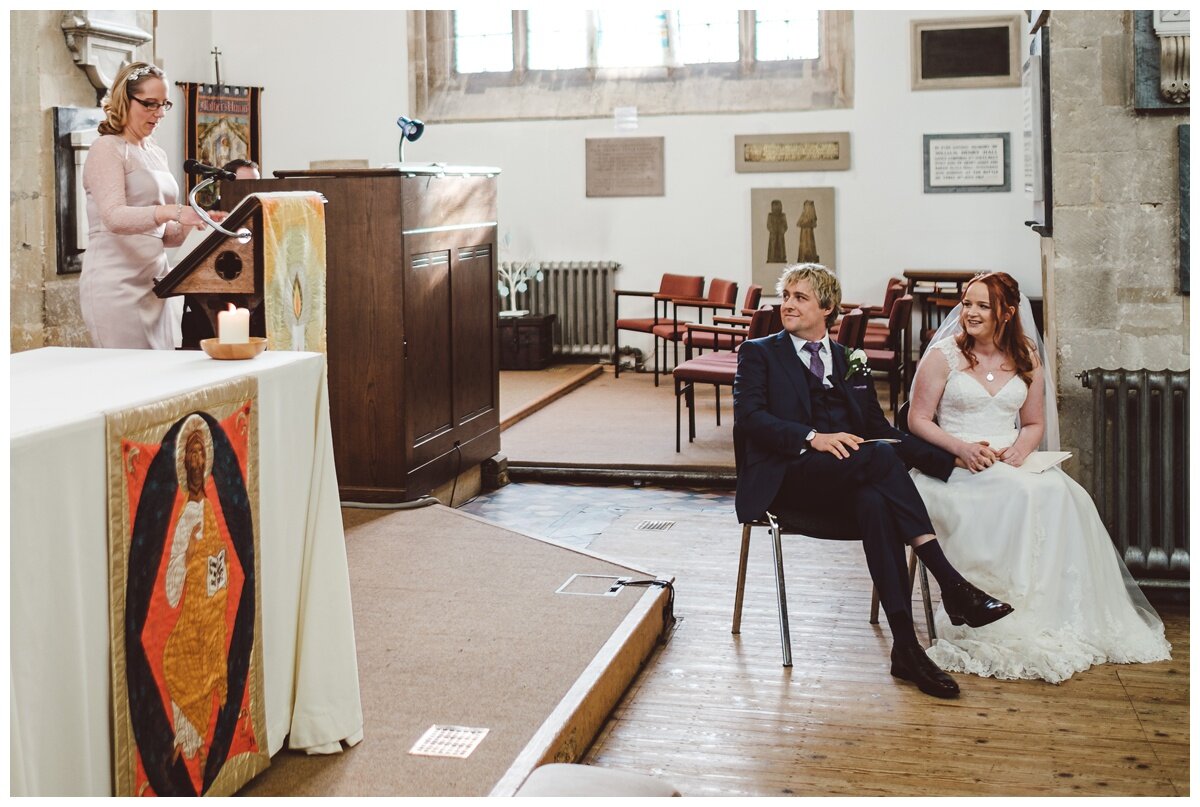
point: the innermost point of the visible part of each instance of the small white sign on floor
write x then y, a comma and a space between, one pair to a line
448, 741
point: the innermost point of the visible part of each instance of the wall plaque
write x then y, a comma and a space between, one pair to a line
967, 163
625, 166
808, 151
966, 53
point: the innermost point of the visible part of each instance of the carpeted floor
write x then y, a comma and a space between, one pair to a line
523, 392
623, 422
457, 623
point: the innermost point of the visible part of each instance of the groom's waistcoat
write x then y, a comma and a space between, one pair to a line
830, 409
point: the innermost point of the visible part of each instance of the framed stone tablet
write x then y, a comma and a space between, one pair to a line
966, 53
967, 163
625, 166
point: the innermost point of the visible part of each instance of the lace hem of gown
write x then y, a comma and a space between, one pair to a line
1052, 656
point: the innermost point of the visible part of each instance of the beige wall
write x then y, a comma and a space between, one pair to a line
1112, 266
44, 308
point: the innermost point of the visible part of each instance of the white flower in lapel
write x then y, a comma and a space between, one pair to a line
856, 363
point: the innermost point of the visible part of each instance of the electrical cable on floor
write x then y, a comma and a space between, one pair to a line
668, 608
423, 501
457, 471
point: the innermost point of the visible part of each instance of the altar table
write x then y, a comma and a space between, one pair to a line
60, 698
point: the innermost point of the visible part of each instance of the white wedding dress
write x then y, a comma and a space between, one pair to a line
1034, 541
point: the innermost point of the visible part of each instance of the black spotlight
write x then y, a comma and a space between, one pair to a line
409, 130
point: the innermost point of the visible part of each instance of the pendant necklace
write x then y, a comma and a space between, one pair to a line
990, 377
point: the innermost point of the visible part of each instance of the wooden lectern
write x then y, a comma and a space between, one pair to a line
219, 271
411, 309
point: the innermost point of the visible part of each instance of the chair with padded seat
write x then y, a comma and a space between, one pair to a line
702, 339
814, 524
892, 359
722, 296
851, 328
718, 369
876, 332
670, 287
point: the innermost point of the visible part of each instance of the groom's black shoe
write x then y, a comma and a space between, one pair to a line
965, 603
910, 663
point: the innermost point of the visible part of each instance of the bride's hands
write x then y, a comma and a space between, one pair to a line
1011, 456
977, 456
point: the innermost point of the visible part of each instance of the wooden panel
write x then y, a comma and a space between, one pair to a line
429, 341
447, 201
476, 373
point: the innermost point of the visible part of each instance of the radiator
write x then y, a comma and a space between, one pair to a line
1140, 468
580, 294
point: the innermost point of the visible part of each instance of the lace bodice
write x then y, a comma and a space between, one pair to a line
968, 411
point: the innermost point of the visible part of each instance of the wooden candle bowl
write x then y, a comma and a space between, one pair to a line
217, 350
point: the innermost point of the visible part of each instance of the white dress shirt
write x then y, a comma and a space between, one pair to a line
806, 357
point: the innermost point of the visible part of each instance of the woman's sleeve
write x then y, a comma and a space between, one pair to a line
104, 180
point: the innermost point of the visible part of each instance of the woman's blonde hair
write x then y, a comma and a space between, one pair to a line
116, 103
824, 285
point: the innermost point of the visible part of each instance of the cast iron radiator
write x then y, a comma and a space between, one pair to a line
1140, 468
580, 294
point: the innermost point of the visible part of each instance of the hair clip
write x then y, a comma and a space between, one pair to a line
141, 71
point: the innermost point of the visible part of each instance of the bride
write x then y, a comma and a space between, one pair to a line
1034, 540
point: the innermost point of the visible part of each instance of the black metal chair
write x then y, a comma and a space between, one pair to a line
824, 525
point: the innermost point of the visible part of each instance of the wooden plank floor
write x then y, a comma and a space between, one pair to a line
717, 714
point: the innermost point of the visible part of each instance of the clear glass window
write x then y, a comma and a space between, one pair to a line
707, 35
780, 35
557, 39
630, 37
483, 41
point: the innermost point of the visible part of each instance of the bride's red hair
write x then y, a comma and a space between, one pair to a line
1005, 297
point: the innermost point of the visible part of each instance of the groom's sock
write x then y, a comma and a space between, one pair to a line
901, 625
931, 555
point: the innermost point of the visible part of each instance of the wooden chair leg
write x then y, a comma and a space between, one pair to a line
740, 591
717, 389
874, 605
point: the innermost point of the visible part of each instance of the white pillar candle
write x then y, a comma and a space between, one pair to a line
233, 326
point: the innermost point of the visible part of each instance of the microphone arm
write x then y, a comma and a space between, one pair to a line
242, 235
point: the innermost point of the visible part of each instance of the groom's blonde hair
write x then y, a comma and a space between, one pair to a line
824, 284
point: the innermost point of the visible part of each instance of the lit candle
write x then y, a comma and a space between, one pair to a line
233, 326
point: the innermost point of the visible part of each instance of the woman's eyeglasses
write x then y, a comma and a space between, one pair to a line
154, 106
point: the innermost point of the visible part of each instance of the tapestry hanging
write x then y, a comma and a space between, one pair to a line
221, 123
293, 241
186, 599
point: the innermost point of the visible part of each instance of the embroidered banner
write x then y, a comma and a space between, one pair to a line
294, 270
221, 123
186, 633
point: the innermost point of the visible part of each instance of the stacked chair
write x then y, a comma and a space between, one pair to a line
892, 358
722, 296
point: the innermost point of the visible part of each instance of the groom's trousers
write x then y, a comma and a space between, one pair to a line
873, 487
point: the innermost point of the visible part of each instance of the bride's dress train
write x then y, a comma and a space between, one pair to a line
1032, 540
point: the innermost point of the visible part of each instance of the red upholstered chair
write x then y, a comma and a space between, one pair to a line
722, 296
717, 369
851, 328
671, 286
875, 333
702, 339
891, 359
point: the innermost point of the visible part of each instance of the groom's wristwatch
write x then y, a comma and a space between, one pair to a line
811, 434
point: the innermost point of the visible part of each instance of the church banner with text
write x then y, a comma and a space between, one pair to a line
185, 594
221, 123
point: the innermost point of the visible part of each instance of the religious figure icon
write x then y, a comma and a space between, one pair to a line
776, 226
808, 240
194, 663
189, 685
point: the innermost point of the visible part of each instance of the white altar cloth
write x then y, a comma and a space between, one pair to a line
60, 674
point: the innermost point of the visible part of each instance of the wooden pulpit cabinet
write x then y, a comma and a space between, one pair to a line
411, 309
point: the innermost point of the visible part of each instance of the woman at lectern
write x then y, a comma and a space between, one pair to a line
134, 213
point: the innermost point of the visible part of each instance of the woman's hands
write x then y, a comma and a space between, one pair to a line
976, 457
190, 218
1012, 456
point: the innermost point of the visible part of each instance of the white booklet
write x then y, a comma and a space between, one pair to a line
1039, 461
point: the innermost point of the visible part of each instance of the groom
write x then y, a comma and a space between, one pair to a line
804, 414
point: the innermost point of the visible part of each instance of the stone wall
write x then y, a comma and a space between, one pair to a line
44, 307
1111, 273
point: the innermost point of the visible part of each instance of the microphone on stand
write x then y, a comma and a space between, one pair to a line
203, 169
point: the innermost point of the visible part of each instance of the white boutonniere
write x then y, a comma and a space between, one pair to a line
856, 364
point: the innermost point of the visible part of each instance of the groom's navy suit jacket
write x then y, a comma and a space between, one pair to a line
772, 408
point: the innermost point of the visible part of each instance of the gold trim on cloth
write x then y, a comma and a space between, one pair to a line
179, 526
294, 270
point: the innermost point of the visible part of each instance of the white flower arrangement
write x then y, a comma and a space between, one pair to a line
856, 363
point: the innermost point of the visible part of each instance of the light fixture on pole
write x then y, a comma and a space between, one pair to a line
410, 130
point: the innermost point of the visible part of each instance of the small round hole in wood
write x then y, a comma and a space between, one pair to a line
229, 265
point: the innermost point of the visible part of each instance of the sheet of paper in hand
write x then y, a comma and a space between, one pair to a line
1039, 461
